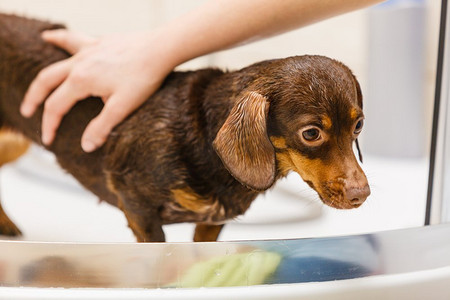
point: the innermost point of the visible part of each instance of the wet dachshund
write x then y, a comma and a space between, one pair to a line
204, 145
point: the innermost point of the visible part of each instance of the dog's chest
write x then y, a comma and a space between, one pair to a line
187, 206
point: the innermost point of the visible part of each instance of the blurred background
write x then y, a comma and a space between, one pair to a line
392, 50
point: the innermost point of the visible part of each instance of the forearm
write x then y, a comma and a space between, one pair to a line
222, 24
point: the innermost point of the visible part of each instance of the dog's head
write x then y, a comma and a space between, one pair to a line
299, 114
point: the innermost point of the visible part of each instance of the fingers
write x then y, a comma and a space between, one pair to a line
52, 76
94, 70
56, 106
70, 41
44, 83
114, 112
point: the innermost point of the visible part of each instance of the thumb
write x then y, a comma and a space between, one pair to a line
70, 41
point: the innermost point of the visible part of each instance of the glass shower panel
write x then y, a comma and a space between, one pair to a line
438, 206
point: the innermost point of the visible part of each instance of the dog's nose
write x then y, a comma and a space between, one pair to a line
357, 195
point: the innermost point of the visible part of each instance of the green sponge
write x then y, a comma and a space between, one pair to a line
243, 269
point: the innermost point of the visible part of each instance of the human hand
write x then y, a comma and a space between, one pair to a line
123, 70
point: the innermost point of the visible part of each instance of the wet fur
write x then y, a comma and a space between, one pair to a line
183, 155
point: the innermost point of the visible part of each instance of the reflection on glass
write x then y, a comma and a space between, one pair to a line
223, 264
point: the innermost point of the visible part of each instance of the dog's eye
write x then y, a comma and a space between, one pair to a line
311, 134
358, 126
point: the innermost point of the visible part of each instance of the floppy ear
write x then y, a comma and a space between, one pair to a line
243, 144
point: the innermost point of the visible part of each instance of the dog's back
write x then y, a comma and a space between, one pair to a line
163, 151
22, 55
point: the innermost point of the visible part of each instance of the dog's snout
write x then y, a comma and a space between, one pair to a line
357, 195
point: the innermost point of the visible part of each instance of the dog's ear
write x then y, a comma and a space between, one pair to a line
243, 144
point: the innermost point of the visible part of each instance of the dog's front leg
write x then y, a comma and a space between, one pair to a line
142, 215
207, 232
146, 228
145, 224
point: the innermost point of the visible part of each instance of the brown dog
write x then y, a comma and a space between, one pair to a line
205, 144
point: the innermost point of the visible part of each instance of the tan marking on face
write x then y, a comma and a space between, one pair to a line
278, 142
191, 201
315, 172
285, 164
307, 168
326, 122
353, 113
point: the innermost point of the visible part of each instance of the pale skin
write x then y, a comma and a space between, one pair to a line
124, 70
